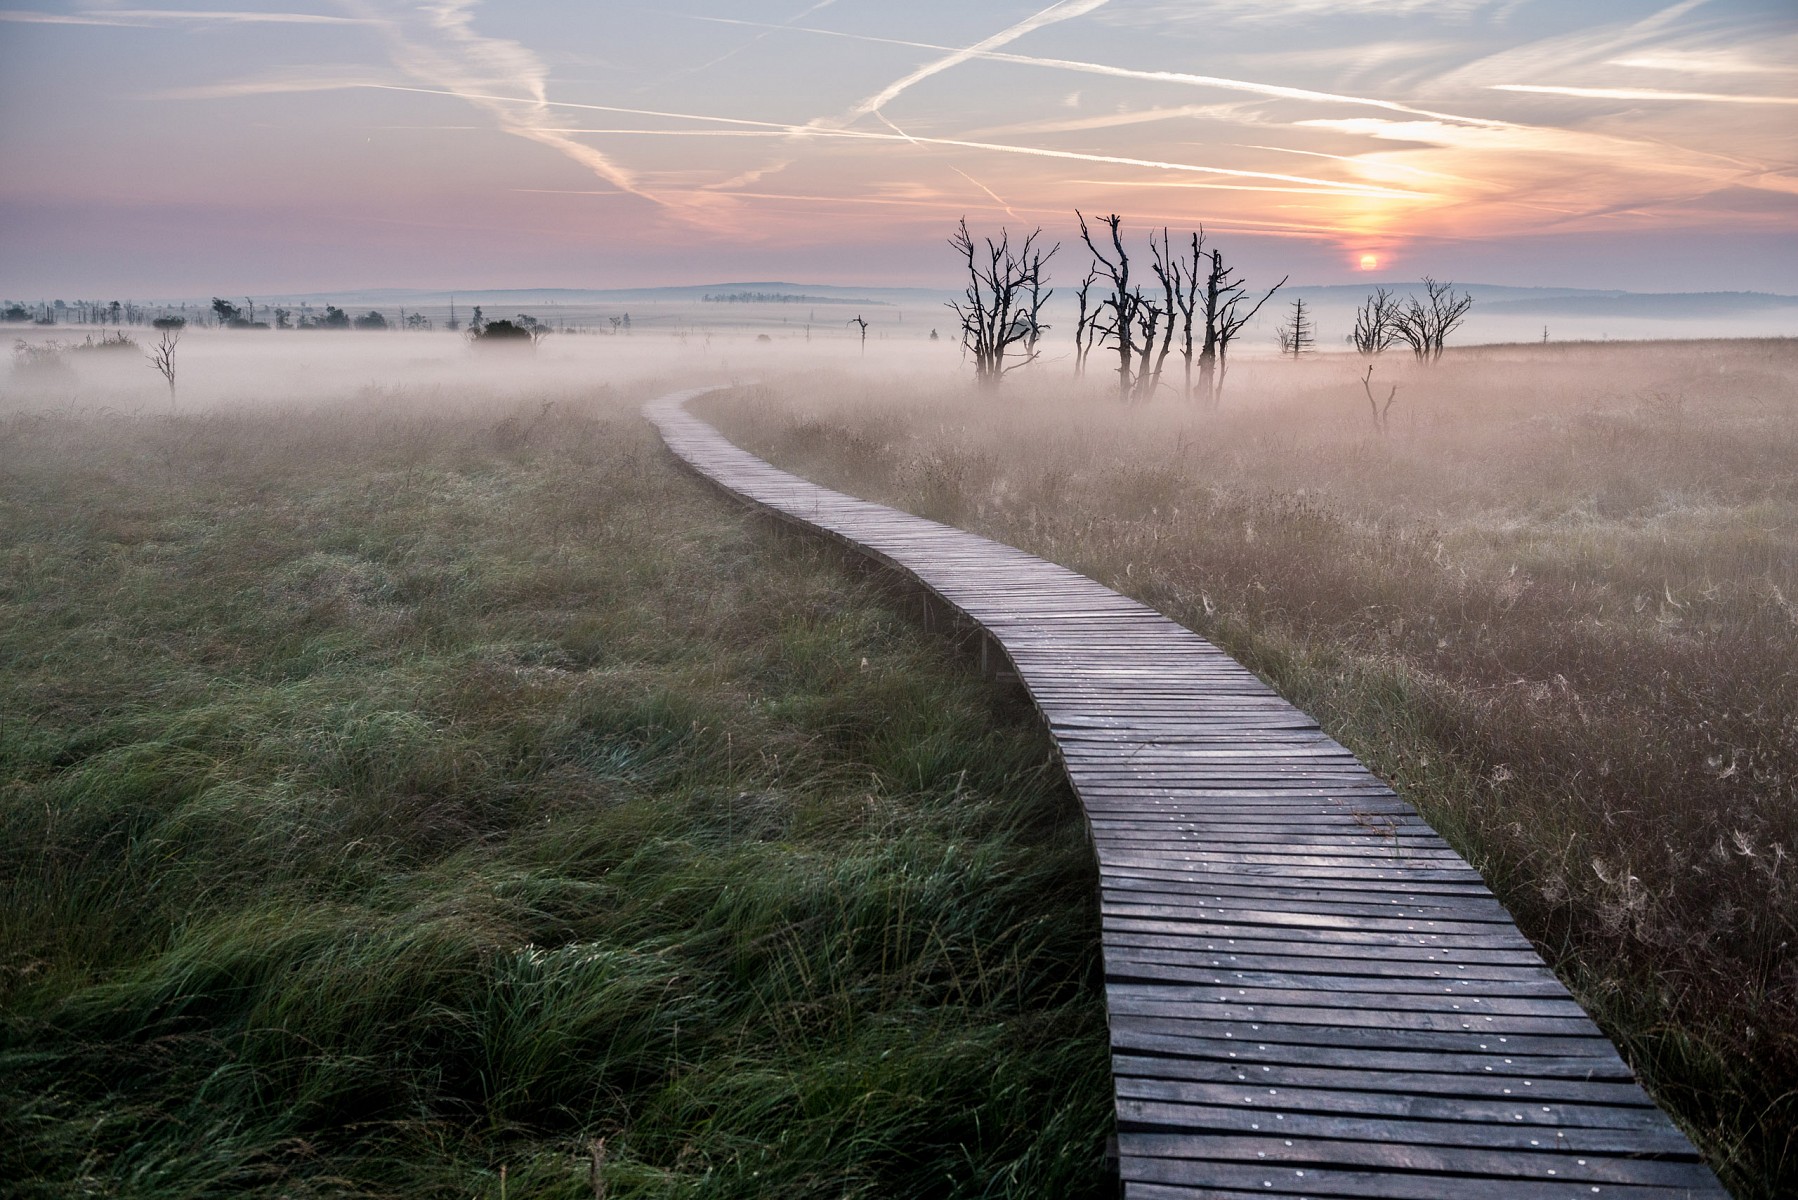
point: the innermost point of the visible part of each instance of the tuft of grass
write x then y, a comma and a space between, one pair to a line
396, 800
1555, 605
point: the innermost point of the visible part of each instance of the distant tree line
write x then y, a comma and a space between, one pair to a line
230, 314
80, 312
223, 314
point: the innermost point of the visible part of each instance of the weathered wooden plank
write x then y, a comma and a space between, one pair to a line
1602, 1092
1307, 919
1309, 992
1225, 1181
1323, 957
1225, 889
1452, 1123
1120, 966
1556, 1080
1279, 1001
1407, 1156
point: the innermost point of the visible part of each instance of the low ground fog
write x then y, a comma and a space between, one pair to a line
1550, 591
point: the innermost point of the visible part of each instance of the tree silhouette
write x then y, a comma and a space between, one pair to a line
162, 357
501, 332
1299, 334
1375, 329
1224, 296
333, 318
1124, 319
1001, 308
1424, 325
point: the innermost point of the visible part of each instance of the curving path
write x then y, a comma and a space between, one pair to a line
1310, 993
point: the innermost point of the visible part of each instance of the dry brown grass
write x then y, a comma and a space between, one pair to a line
1557, 605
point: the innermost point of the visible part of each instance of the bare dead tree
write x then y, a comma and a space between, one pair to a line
1175, 309
162, 357
857, 320
1155, 322
1378, 408
1374, 330
1125, 318
1118, 326
1224, 296
1179, 278
1424, 325
1298, 334
1001, 309
1085, 330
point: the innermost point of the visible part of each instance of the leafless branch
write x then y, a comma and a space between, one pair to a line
162, 357
1001, 309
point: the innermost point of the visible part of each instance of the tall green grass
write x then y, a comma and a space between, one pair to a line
468, 803
1555, 605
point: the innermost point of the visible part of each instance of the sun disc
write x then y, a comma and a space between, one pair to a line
1369, 261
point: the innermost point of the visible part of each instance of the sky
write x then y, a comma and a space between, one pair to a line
306, 145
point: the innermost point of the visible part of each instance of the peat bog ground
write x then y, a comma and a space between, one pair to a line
448, 796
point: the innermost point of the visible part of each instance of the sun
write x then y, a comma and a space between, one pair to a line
1370, 262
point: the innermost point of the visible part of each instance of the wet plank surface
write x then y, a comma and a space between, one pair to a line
1310, 993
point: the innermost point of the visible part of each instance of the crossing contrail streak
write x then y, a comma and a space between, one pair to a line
1273, 90
1359, 189
1066, 10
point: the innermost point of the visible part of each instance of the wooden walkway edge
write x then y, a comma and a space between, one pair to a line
1310, 994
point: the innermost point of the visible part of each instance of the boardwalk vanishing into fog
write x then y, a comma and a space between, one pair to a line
1309, 993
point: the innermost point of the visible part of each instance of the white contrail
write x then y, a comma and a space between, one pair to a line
1156, 164
879, 201
134, 18
1610, 93
43, 18
767, 33
728, 187
312, 79
1313, 187
1275, 91
466, 64
1055, 13
996, 197
233, 18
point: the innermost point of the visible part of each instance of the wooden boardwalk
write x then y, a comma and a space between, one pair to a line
1310, 993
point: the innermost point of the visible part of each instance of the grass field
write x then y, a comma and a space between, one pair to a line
1556, 604
442, 795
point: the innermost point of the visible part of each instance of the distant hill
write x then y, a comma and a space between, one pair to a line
1496, 300
1670, 305
770, 292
